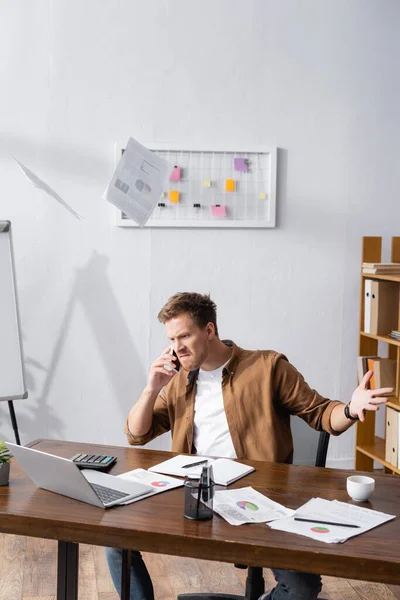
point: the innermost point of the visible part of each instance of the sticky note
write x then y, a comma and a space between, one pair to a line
207, 183
174, 196
176, 174
262, 195
218, 210
240, 164
229, 185
163, 194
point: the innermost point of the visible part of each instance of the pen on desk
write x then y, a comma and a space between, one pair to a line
325, 522
201, 462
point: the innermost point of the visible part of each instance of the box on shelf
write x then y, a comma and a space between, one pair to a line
381, 306
392, 436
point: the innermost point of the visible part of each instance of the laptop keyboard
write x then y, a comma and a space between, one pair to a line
106, 494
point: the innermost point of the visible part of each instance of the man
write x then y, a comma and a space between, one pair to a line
226, 401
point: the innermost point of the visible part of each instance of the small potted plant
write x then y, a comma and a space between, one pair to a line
5, 457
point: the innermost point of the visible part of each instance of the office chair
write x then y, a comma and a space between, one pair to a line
255, 585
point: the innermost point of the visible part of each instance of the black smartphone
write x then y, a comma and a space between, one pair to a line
177, 363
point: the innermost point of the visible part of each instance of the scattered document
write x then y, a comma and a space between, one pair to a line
138, 182
225, 471
159, 484
246, 505
331, 511
41, 185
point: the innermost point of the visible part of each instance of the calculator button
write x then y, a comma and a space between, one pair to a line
89, 456
92, 459
76, 456
106, 459
98, 459
83, 458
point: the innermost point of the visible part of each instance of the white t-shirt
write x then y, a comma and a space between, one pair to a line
211, 435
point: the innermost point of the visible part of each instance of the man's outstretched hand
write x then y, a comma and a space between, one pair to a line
365, 399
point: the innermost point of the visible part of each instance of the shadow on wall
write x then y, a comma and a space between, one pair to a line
111, 333
32, 414
107, 323
62, 158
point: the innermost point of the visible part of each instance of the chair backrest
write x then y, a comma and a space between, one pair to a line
310, 447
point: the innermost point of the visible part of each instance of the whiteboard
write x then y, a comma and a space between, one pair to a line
12, 380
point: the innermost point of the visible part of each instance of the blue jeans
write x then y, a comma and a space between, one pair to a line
294, 586
141, 587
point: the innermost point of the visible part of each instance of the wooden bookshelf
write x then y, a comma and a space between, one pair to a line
381, 338
369, 447
382, 277
376, 451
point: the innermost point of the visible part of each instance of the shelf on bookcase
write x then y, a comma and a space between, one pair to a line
377, 452
381, 338
393, 402
395, 278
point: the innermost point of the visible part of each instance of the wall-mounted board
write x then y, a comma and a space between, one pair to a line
213, 188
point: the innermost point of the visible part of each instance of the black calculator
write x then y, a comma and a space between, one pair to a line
101, 462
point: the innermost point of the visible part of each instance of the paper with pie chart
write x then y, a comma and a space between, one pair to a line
332, 511
159, 483
246, 505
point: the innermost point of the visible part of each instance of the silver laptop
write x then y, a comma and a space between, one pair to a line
62, 476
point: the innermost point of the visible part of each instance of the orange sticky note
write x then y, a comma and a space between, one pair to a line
218, 210
174, 196
229, 185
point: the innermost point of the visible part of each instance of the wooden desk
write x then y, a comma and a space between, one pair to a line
157, 524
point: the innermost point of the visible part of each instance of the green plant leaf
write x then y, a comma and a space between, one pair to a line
5, 454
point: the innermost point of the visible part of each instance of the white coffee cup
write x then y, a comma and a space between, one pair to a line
360, 487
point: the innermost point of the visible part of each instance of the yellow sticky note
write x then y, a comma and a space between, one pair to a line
163, 195
174, 196
229, 185
207, 183
262, 195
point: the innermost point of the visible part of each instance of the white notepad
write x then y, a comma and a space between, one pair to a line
225, 471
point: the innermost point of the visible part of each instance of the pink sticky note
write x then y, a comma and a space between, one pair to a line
240, 164
176, 174
218, 210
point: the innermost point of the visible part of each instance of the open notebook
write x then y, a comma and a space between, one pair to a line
225, 470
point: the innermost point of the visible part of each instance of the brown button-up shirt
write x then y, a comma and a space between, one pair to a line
261, 389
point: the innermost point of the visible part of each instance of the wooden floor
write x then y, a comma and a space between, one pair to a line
28, 572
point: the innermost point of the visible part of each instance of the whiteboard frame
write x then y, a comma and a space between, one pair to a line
5, 227
120, 221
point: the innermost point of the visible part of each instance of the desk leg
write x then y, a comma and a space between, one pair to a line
255, 584
126, 575
67, 571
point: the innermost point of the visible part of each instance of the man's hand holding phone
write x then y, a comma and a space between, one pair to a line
162, 370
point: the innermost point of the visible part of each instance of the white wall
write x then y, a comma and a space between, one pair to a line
320, 80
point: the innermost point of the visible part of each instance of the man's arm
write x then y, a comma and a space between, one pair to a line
362, 399
141, 415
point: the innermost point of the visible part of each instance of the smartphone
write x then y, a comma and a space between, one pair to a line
177, 363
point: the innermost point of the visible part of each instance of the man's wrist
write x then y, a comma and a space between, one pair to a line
151, 392
348, 414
